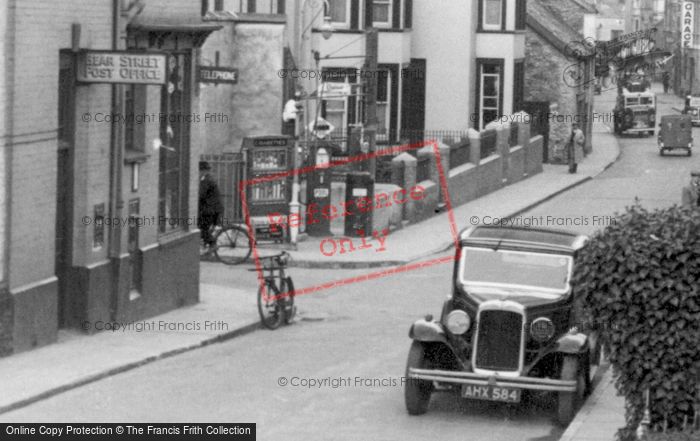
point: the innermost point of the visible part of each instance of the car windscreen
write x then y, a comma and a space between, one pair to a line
507, 267
632, 101
646, 100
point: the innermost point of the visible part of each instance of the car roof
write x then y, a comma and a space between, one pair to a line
523, 237
672, 117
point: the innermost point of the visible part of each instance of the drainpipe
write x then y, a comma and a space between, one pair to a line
115, 176
9, 48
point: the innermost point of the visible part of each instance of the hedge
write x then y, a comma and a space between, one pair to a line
637, 282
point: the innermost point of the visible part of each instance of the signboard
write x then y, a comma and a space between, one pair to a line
121, 67
270, 142
330, 90
687, 25
321, 128
211, 74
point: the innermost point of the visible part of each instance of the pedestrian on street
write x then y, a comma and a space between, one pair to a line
575, 147
210, 206
691, 193
666, 79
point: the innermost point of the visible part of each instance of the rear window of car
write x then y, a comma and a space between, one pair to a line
520, 268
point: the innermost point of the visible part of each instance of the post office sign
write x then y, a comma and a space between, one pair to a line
123, 67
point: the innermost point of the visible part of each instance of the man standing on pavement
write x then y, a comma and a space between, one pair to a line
666, 79
210, 207
575, 147
691, 193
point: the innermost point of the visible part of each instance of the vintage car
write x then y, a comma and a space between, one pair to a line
508, 327
692, 108
675, 132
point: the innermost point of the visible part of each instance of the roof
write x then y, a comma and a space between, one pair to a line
587, 7
548, 24
525, 237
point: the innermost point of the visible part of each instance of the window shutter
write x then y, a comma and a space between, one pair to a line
354, 14
408, 14
396, 14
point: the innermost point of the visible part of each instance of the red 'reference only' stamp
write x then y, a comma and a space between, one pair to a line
375, 241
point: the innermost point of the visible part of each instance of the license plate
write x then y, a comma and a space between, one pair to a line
491, 393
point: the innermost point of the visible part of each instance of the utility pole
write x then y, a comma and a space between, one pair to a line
369, 81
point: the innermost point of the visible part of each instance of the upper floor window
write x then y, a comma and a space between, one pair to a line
340, 12
382, 12
492, 15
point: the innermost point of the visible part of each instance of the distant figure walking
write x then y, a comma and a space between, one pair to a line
690, 197
666, 79
575, 147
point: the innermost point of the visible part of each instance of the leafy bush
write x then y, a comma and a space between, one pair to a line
637, 281
674, 436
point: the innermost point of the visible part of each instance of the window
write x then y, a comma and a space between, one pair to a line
518, 86
173, 164
340, 11
520, 14
381, 13
490, 91
492, 15
383, 104
135, 113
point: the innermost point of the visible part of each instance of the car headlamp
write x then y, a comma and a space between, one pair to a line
458, 322
542, 329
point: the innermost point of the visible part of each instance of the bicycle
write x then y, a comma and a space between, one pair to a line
276, 299
232, 244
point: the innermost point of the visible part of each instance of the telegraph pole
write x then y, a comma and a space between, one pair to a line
369, 81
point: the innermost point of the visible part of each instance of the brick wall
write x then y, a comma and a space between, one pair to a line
569, 11
42, 29
544, 70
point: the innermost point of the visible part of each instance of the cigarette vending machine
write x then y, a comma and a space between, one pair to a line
269, 161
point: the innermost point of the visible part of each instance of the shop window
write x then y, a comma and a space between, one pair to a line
490, 91
135, 117
173, 165
491, 16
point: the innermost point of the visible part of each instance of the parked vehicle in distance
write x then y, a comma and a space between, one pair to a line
676, 132
692, 108
635, 109
508, 327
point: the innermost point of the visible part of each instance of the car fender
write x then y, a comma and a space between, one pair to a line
572, 343
427, 331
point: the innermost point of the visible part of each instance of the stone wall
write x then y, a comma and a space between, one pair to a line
544, 70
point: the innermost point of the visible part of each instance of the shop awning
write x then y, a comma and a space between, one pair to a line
163, 27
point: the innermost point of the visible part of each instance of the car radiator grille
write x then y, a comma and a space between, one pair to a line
498, 340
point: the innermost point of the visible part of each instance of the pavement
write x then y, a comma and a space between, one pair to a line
77, 359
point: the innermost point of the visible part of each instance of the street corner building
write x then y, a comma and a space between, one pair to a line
558, 81
98, 172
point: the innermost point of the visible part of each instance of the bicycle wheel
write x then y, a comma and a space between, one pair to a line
270, 307
290, 310
233, 245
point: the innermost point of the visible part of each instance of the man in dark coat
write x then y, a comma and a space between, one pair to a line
210, 207
690, 196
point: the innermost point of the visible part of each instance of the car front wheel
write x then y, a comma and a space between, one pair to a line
569, 402
417, 392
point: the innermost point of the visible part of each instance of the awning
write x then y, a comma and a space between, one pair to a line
162, 27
